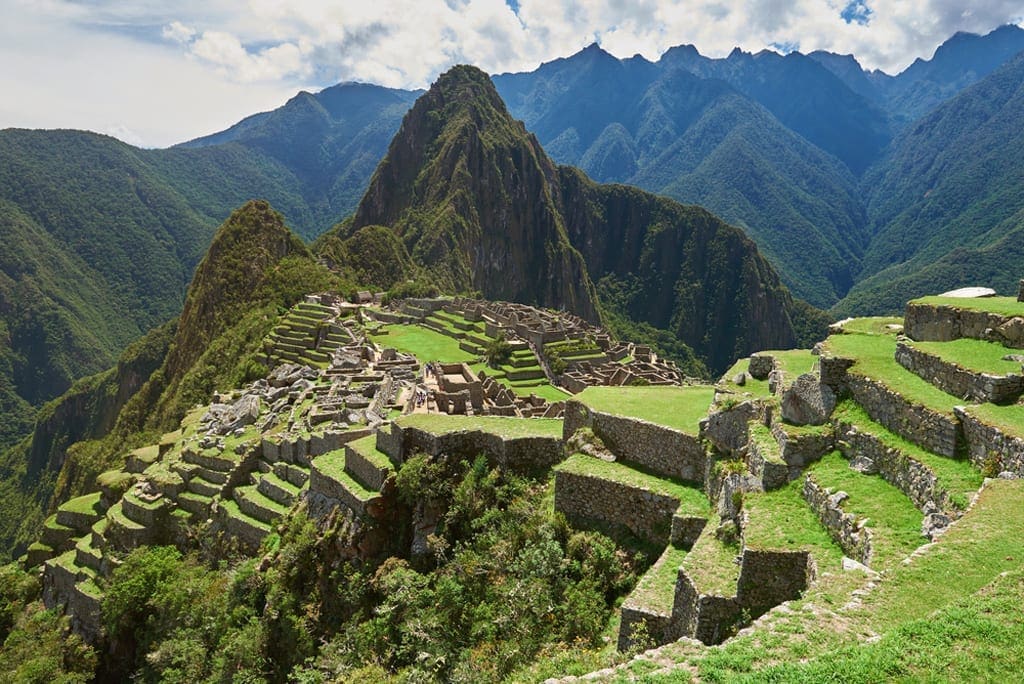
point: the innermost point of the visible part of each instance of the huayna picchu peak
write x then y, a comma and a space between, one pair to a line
521, 378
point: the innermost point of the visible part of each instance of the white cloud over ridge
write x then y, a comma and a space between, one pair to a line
165, 72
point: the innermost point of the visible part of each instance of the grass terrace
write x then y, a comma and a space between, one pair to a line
874, 356
423, 343
793, 362
781, 520
711, 564
974, 355
442, 424
958, 477
367, 448
657, 588
691, 499
1005, 306
893, 519
1009, 419
872, 325
679, 408
751, 385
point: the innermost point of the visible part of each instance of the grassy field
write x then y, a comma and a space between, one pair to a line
974, 355
1009, 419
441, 424
1005, 306
680, 408
872, 325
423, 343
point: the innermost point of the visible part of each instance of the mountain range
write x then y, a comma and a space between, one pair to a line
861, 189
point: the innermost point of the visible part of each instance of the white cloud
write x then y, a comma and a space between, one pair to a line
164, 72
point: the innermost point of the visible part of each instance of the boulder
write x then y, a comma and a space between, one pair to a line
970, 292
807, 401
760, 366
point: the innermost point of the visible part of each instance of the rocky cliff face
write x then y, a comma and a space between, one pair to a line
679, 268
479, 206
471, 194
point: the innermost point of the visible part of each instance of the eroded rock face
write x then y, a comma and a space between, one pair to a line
807, 401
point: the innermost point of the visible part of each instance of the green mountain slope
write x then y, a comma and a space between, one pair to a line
479, 206
949, 194
469, 192
698, 139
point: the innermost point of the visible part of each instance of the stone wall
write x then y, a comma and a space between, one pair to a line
727, 428
944, 323
833, 372
769, 577
686, 529
589, 499
990, 449
845, 528
706, 617
764, 464
958, 381
909, 476
659, 449
936, 432
518, 454
799, 449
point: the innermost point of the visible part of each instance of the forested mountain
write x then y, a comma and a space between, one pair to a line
947, 206
479, 206
698, 139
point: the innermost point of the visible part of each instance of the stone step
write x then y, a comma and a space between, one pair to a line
257, 505
218, 477
651, 602
97, 532
56, 535
123, 533
196, 504
198, 485
144, 512
80, 513
249, 531
292, 473
328, 478
212, 459
87, 556
366, 464
281, 491
37, 553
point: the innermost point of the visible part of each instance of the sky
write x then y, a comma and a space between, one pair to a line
154, 73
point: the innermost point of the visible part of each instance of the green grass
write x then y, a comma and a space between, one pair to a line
367, 448
793, 362
332, 465
872, 325
441, 424
975, 355
423, 343
1004, 306
680, 408
767, 445
753, 386
711, 564
894, 521
958, 477
781, 520
691, 499
656, 590
83, 504
546, 391
978, 638
1009, 419
874, 359
232, 510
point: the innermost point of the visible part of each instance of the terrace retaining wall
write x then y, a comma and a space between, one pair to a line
848, 532
911, 477
958, 381
929, 429
518, 454
944, 323
990, 449
662, 450
588, 498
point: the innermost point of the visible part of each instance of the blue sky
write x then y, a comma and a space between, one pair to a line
154, 73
